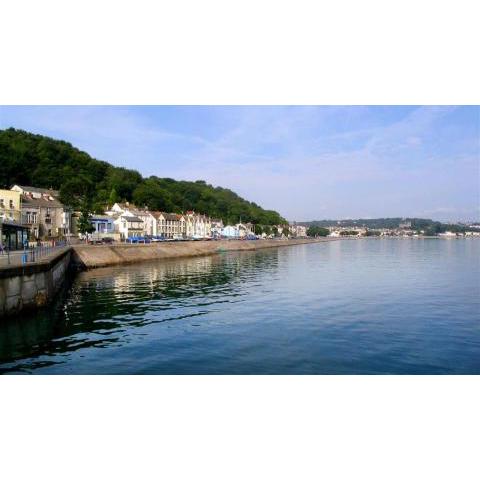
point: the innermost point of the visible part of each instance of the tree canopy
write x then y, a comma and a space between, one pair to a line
89, 184
315, 231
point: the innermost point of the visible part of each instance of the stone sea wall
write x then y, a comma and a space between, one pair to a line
93, 256
30, 286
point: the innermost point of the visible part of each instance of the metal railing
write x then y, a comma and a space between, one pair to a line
30, 254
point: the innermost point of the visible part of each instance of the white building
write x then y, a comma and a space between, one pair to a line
230, 231
217, 227
149, 222
298, 231
197, 225
129, 226
244, 229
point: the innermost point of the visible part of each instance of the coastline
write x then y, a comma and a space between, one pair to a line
87, 257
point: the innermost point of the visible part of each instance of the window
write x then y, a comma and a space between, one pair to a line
31, 217
2, 204
11, 205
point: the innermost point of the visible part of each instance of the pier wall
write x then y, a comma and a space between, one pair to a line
29, 286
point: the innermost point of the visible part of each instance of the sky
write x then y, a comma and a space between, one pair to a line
306, 162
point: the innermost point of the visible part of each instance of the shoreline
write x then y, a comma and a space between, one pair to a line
86, 257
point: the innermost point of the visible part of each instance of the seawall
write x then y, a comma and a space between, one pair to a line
30, 286
94, 256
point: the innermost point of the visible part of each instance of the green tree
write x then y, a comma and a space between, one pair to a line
87, 183
84, 225
315, 231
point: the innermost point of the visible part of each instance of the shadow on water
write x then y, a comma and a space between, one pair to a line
98, 305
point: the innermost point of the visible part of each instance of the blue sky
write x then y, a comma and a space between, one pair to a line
306, 162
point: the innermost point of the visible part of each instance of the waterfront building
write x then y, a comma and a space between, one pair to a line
216, 227
149, 219
42, 212
170, 225
231, 231
117, 209
197, 225
301, 231
129, 226
244, 229
103, 225
10, 209
13, 236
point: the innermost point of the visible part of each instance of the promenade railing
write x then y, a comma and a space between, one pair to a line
30, 254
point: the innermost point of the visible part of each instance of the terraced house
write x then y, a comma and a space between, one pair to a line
42, 212
170, 225
197, 225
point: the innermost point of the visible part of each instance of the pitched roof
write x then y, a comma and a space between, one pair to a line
129, 218
49, 191
171, 217
40, 202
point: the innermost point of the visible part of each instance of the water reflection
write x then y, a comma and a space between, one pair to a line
366, 306
103, 304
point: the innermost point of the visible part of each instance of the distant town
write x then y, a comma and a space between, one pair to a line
33, 215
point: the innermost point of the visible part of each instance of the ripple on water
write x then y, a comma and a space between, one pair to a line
373, 306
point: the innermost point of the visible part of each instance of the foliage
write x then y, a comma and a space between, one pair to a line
346, 233
315, 231
87, 183
372, 233
84, 226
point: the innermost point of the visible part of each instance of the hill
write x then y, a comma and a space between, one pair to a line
431, 227
86, 183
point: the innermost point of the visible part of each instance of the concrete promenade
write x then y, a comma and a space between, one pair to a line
94, 256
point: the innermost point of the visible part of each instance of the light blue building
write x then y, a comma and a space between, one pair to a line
103, 224
230, 232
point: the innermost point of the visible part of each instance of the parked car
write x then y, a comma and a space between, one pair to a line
107, 240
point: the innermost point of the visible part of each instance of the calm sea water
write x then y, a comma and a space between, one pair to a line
373, 306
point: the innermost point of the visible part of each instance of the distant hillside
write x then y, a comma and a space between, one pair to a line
89, 184
429, 226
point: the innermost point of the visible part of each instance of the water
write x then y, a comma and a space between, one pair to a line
373, 306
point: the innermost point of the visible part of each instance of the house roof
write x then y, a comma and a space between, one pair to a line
40, 202
173, 217
129, 218
54, 193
